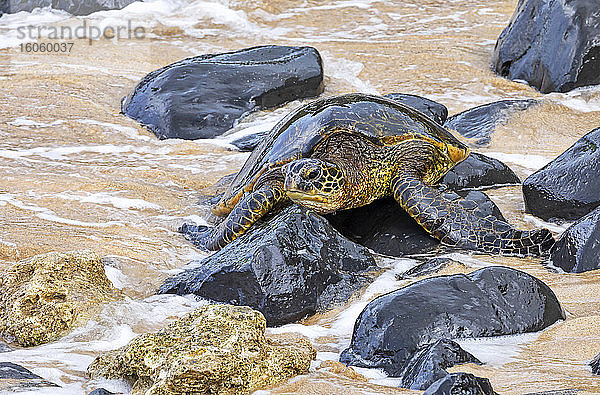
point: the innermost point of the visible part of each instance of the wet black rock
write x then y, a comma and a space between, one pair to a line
578, 248
595, 364
436, 111
288, 266
15, 378
480, 122
429, 266
74, 7
553, 45
461, 383
567, 187
493, 301
384, 227
249, 142
479, 171
429, 364
203, 96
5, 347
101, 391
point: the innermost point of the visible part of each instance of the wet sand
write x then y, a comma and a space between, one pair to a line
76, 174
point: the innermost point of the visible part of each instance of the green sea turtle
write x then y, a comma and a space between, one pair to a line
347, 151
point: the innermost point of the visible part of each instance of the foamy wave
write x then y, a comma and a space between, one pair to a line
349, 71
586, 99
9, 23
497, 350
533, 162
362, 4
196, 18
104, 198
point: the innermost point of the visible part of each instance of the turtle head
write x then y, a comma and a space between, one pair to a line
315, 184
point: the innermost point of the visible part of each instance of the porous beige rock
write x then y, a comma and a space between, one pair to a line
43, 297
215, 349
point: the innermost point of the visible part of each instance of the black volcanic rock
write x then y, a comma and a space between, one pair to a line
428, 267
74, 7
595, 364
249, 142
553, 45
461, 384
481, 122
203, 96
479, 171
493, 301
578, 248
436, 111
567, 187
429, 364
16, 378
101, 391
287, 267
5, 347
384, 227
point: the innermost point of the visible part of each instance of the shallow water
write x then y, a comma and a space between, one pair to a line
76, 174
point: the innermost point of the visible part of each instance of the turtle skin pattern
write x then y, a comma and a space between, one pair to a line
461, 224
250, 209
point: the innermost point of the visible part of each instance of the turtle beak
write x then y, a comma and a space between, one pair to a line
290, 184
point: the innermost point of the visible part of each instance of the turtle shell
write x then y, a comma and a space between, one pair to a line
378, 119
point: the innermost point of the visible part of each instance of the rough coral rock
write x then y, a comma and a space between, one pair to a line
214, 349
43, 297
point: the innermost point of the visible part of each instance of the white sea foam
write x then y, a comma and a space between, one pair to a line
363, 4
105, 198
63, 153
26, 123
9, 23
347, 70
497, 350
116, 276
532, 162
196, 220
378, 376
539, 223
586, 99
192, 16
259, 122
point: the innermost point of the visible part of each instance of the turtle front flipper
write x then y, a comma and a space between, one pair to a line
462, 224
250, 208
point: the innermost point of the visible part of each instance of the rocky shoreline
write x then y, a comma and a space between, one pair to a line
295, 264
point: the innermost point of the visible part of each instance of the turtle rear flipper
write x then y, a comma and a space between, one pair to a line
461, 223
251, 207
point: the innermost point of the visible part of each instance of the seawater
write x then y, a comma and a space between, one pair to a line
75, 174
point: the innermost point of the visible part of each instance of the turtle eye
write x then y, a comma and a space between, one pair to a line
314, 173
